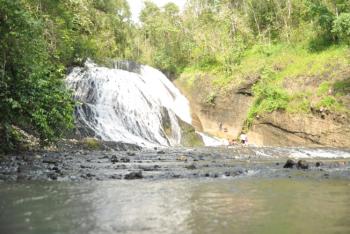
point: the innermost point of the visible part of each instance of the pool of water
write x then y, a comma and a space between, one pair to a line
244, 205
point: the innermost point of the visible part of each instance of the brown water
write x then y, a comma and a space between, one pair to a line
245, 205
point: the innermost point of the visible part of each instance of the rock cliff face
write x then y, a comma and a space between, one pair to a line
219, 114
224, 114
279, 128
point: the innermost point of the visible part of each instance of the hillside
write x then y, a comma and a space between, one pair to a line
280, 95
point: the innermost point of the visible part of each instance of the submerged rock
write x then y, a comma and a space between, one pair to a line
289, 164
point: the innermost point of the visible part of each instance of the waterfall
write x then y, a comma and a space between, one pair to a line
212, 141
129, 103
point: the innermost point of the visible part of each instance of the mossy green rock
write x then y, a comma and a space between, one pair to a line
189, 137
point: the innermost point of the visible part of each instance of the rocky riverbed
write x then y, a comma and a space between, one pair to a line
167, 163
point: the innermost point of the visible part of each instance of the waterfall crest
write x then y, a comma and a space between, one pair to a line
139, 106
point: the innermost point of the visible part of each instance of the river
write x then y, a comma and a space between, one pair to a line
241, 205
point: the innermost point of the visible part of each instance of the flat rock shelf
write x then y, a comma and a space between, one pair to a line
166, 163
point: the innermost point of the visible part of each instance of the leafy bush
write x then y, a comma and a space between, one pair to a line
268, 97
33, 96
341, 27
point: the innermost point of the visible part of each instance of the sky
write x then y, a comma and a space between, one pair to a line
137, 5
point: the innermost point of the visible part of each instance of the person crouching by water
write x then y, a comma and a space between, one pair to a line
244, 139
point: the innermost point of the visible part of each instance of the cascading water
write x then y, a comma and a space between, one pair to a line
131, 107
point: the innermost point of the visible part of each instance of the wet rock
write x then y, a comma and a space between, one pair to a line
55, 169
50, 160
182, 158
52, 176
149, 168
191, 167
90, 175
130, 153
125, 159
302, 164
85, 167
114, 159
122, 166
289, 164
161, 152
234, 173
116, 177
319, 164
133, 175
104, 157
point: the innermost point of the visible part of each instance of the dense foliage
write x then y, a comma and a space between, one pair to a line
212, 33
234, 40
39, 40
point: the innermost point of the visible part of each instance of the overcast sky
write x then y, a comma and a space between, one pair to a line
137, 5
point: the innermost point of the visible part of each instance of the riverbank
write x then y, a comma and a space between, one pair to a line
170, 163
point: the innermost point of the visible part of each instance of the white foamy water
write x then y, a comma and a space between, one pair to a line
319, 153
212, 141
129, 107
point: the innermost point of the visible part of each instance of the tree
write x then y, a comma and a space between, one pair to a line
32, 94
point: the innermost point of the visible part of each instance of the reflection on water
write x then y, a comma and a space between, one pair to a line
248, 205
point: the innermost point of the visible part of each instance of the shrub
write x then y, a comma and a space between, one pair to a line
341, 27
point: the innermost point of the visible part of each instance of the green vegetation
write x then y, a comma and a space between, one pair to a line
292, 46
268, 97
287, 44
39, 40
91, 144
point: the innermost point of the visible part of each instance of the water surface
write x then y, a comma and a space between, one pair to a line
245, 205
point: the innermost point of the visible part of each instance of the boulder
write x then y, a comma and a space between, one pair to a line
289, 164
302, 164
114, 159
133, 175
